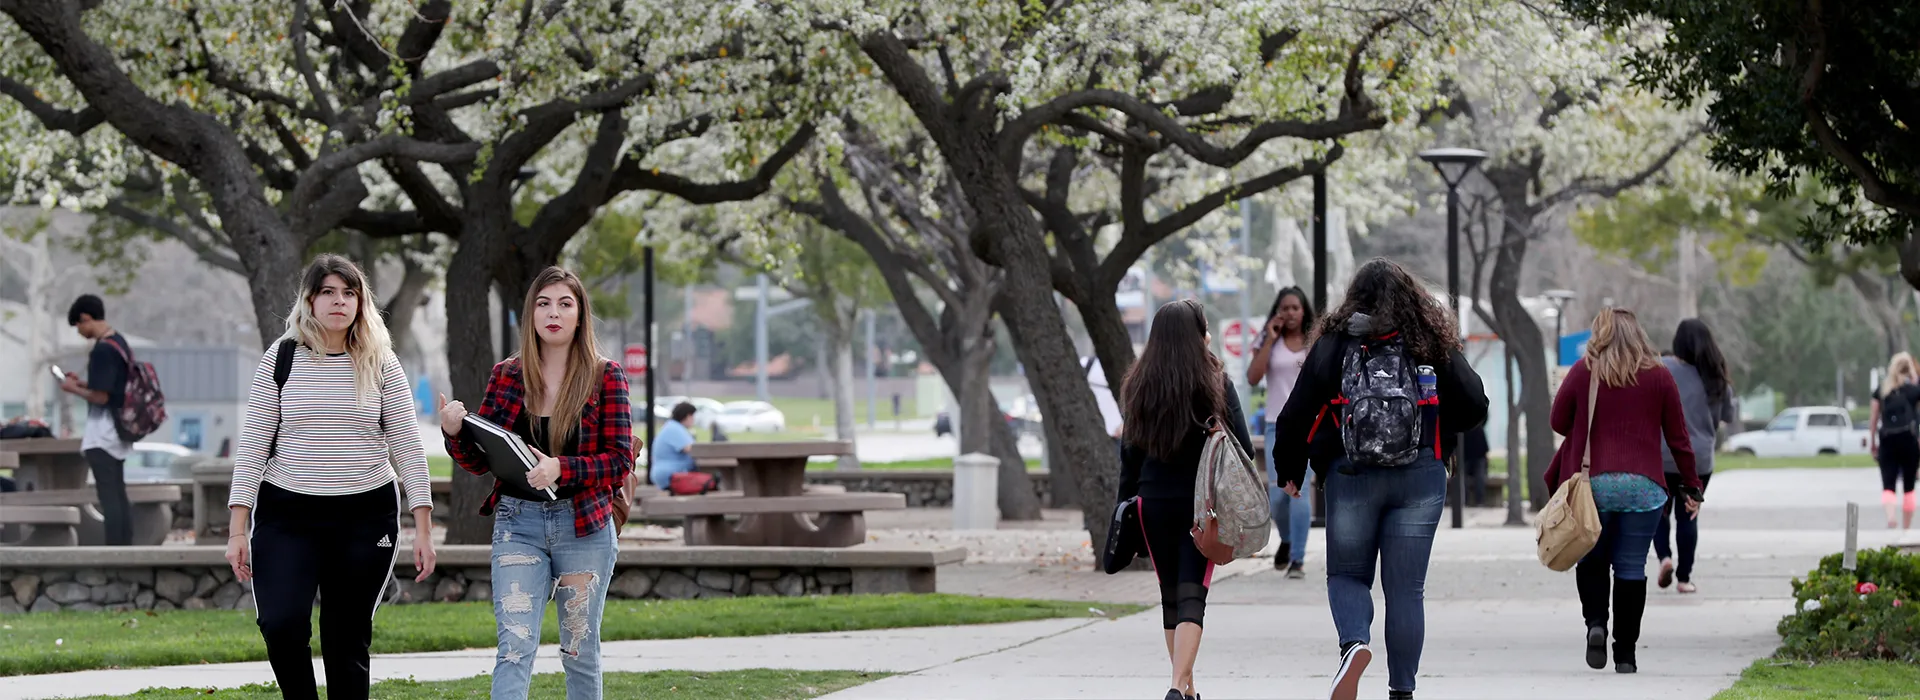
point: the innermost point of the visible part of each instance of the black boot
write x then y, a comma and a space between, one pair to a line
1592, 580
1629, 605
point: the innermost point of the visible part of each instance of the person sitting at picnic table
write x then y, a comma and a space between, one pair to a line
672, 448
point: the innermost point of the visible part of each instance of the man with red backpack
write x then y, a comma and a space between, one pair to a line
108, 369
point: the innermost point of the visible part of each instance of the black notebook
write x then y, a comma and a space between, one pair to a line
508, 456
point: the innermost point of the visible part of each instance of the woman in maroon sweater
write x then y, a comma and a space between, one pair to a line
1638, 408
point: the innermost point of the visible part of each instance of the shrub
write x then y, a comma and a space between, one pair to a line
1833, 619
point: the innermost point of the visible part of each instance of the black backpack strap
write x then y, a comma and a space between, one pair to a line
283, 363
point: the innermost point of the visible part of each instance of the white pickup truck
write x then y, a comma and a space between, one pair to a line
1803, 431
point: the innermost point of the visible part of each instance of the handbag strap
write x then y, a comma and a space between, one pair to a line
1593, 396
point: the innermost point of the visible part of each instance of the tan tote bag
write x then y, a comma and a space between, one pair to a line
1569, 525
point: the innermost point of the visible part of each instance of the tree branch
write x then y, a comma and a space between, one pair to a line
74, 122
1592, 187
204, 248
390, 146
633, 177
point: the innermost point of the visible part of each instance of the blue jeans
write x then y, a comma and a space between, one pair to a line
1389, 514
537, 556
1295, 524
1624, 539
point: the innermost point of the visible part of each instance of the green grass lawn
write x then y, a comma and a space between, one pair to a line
1727, 462
755, 684
1769, 679
75, 641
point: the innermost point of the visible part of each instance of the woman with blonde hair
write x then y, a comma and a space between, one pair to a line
1637, 408
314, 504
564, 399
1896, 408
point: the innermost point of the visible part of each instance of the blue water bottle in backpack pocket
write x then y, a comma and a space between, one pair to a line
1429, 384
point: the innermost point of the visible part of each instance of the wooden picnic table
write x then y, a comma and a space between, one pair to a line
774, 506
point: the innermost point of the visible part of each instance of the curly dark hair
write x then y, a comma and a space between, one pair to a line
1176, 385
1397, 302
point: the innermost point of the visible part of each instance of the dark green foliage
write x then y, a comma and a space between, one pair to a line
1834, 621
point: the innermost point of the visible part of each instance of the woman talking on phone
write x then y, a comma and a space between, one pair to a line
1281, 353
314, 506
564, 399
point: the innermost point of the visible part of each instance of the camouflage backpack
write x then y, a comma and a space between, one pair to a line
1379, 404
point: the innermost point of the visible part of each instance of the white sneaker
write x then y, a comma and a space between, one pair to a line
1346, 681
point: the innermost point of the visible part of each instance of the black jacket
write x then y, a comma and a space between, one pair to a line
1151, 477
1307, 428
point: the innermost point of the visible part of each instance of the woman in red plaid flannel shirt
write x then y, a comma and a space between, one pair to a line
564, 399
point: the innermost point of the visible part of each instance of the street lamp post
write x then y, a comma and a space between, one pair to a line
1453, 165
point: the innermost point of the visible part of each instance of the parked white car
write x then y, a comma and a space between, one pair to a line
1803, 431
751, 417
151, 462
705, 410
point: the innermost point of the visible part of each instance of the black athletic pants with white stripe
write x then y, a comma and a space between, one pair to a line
341, 546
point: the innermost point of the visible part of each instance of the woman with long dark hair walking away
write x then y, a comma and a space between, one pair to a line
1380, 400
564, 399
1706, 397
314, 504
1895, 438
1281, 352
1637, 408
1170, 396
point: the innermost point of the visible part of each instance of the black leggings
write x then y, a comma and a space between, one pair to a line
1899, 460
116, 512
1685, 526
1184, 573
342, 546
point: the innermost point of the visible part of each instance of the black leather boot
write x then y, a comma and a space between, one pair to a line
1592, 580
1629, 605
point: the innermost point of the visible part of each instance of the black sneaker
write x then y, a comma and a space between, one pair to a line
1346, 681
1597, 647
1283, 556
1399, 695
1174, 694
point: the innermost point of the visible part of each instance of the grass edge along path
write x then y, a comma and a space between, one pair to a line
1776, 679
754, 684
79, 641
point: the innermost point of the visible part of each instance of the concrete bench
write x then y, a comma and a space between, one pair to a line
152, 510
9, 460
837, 520
50, 526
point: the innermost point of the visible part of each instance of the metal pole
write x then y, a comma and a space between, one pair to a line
1453, 296
871, 398
1559, 348
1320, 241
646, 321
1515, 516
760, 340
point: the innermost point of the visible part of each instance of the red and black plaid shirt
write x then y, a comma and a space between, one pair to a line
606, 443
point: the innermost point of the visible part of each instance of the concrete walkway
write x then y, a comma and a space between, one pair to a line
1498, 624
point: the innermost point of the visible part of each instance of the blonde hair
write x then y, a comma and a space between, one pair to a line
585, 366
1900, 370
367, 340
1619, 348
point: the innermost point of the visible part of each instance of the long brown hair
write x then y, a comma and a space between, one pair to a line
585, 366
1176, 385
1398, 303
1619, 348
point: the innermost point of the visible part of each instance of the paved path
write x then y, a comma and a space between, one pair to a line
1498, 625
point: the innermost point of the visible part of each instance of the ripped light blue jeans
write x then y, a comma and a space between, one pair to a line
536, 557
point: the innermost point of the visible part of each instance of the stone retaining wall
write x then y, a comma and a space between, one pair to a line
185, 579
924, 489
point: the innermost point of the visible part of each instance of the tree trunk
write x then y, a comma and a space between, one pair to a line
1879, 310
1107, 329
1529, 349
404, 305
470, 358
840, 358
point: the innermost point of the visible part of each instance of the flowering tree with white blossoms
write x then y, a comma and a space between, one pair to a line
1551, 103
266, 125
1215, 81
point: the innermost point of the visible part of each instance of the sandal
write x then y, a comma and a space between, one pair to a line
1666, 573
1687, 587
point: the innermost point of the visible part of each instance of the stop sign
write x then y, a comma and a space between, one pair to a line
636, 359
1233, 336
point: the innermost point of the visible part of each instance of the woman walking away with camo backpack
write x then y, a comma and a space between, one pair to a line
1378, 407
1173, 397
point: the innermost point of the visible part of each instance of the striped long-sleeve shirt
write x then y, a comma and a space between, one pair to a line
313, 437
